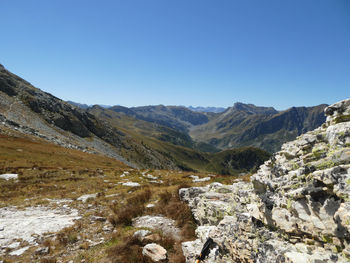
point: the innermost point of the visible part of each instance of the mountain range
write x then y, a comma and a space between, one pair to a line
161, 137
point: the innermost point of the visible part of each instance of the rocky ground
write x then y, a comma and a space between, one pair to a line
81, 215
295, 209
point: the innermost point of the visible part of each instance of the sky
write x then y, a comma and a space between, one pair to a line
181, 52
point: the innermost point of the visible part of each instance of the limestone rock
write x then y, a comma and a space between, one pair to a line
155, 252
166, 225
140, 234
295, 209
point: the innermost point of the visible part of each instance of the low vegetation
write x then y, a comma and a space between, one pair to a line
69, 174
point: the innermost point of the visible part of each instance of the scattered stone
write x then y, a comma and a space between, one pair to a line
98, 218
201, 179
85, 198
14, 245
147, 206
155, 252
42, 251
131, 184
140, 234
107, 228
19, 252
166, 225
9, 176
149, 176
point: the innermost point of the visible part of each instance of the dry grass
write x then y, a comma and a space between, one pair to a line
50, 172
135, 206
171, 206
17, 153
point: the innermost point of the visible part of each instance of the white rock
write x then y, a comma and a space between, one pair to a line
140, 234
156, 252
85, 198
23, 224
131, 184
19, 252
14, 245
201, 179
166, 225
9, 176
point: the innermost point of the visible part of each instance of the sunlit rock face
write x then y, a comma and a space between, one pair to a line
295, 209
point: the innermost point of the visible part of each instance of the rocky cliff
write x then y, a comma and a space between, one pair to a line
295, 209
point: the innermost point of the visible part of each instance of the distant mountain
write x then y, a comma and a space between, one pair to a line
86, 106
263, 127
207, 109
76, 104
175, 117
237, 126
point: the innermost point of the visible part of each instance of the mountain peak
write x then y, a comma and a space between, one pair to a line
252, 109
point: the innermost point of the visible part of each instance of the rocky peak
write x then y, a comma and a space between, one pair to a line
252, 109
295, 209
338, 112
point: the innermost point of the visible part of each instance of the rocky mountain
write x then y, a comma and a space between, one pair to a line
207, 109
240, 125
263, 127
175, 117
111, 132
32, 111
296, 208
86, 106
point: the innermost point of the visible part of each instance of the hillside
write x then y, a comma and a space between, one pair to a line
109, 132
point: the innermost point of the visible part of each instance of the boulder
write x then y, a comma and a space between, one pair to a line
155, 252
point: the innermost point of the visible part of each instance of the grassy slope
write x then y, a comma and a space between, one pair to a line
48, 172
19, 152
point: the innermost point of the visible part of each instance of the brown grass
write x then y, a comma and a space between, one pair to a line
17, 153
135, 206
171, 206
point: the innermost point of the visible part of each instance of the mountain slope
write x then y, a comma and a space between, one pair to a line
246, 124
142, 144
33, 111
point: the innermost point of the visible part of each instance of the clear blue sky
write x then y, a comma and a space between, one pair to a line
181, 52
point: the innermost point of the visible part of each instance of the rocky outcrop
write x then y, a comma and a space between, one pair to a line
295, 209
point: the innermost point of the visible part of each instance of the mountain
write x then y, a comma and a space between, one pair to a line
32, 111
85, 106
237, 126
111, 132
263, 127
207, 109
175, 117
296, 208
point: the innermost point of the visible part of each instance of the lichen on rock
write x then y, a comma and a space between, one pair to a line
295, 209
